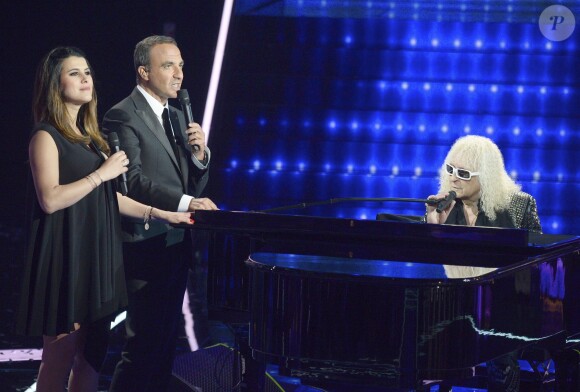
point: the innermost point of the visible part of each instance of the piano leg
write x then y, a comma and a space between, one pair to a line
252, 373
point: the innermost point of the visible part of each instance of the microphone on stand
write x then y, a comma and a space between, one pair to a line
114, 145
183, 97
352, 199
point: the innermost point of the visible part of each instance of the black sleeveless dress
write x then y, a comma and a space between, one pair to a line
74, 263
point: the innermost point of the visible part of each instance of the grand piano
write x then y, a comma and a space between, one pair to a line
392, 303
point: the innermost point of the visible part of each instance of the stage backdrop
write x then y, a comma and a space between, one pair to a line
334, 99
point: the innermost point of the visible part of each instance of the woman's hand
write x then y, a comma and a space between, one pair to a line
172, 217
114, 166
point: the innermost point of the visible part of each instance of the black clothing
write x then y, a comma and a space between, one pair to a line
74, 266
522, 213
457, 217
157, 259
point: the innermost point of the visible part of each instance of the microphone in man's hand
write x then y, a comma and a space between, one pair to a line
114, 145
183, 97
443, 204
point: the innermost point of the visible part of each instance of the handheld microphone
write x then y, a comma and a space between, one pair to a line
183, 97
443, 204
114, 145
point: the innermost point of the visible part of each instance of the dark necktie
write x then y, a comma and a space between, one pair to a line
169, 133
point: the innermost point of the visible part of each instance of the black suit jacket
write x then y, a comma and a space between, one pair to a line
156, 176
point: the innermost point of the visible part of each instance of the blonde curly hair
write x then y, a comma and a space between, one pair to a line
480, 154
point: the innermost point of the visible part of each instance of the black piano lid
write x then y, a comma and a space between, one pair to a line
391, 240
549, 241
257, 222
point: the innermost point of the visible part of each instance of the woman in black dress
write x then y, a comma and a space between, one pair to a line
73, 278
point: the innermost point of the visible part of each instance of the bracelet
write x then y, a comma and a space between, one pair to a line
147, 216
98, 175
91, 181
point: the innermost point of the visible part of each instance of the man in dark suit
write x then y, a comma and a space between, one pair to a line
166, 172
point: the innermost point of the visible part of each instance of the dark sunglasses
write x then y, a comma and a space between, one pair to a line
460, 173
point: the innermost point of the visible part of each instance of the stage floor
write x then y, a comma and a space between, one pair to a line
20, 359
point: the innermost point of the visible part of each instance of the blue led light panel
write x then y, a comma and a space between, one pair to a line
325, 99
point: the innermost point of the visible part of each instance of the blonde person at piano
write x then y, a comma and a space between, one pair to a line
476, 190
485, 195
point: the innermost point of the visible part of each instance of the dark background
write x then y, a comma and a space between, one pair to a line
107, 32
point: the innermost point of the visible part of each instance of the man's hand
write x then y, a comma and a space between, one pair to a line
202, 203
196, 137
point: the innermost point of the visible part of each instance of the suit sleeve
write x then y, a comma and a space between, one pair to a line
143, 152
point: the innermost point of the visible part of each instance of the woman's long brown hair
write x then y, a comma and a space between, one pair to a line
48, 104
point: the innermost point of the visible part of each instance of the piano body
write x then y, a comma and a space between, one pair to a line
388, 303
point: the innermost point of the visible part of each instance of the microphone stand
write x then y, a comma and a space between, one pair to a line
349, 199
